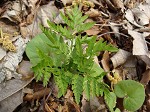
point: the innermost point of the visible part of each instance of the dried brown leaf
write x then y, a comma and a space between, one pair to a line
120, 58
37, 95
145, 77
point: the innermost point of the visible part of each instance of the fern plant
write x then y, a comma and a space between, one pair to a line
61, 51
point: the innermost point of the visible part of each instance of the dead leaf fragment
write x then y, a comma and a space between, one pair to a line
129, 68
85, 104
25, 69
105, 61
130, 17
44, 13
11, 87
140, 17
66, 2
10, 103
71, 106
120, 58
145, 77
93, 31
139, 43
119, 4
93, 13
2, 53
37, 95
12, 59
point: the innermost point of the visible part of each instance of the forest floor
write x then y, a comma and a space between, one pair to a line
123, 23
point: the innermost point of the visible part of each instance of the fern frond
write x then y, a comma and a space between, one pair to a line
77, 87
67, 21
103, 46
62, 81
86, 86
84, 26
93, 87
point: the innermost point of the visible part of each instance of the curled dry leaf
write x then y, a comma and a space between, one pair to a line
105, 61
48, 11
93, 31
93, 13
145, 77
120, 58
119, 4
139, 43
24, 69
37, 95
21, 9
130, 17
129, 68
140, 17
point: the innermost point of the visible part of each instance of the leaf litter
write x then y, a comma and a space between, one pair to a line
130, 18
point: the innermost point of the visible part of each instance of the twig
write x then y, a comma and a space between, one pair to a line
112, 33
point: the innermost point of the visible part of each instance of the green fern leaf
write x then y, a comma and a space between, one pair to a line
77, 87
93, 87
86, 86
110, 99
103, 46
90, 47
62, 80
85, 26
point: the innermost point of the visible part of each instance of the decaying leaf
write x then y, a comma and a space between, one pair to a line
21, 9
37, 95
140, 17
105, 61
93, 13
119, 4
139, 43
96, 105
145, 77
130, 17
24, 69
66, 2
120, 58
11, 60
11, 94
45, 12
85, 104
2, 53
129, 68
9, 104
93, 31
